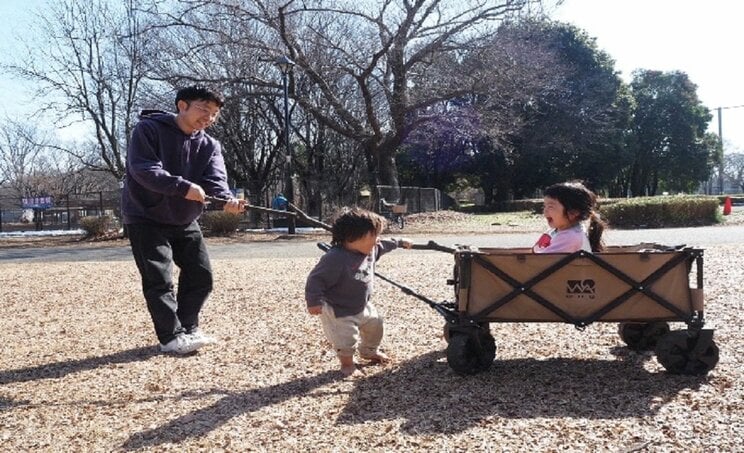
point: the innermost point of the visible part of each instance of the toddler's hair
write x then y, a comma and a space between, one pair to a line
574, 196
354, 223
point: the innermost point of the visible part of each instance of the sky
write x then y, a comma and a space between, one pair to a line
700, 38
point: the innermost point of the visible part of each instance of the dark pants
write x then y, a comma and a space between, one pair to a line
156, 248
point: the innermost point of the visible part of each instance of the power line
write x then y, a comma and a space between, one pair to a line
730, 107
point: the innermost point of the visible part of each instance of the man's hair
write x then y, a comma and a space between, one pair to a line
199, 93
354, 223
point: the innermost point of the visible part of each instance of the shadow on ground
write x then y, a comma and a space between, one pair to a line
431, 398
421, 392
201, 422
60, 369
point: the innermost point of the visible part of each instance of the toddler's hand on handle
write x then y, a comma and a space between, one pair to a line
234, 206
405, 243
315, 310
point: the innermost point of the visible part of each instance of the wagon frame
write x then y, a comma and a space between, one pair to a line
489, 288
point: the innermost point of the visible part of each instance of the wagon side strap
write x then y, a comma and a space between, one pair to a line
641, 287
525, 288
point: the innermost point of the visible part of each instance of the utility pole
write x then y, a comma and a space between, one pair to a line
720, 137
720, 166
285, 65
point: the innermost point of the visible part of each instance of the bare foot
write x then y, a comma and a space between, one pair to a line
377, 357
350, 371
348, 367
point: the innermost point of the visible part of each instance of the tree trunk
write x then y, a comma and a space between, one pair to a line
254, 197
380, 158
487, 186
389, 176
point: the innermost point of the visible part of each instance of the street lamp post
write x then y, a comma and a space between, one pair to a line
285, 65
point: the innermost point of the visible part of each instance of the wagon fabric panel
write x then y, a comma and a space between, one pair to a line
621, 284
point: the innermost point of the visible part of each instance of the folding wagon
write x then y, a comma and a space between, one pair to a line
640, 287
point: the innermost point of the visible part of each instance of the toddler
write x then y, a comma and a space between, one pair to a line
338, 289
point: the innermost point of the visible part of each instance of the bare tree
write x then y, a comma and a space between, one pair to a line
354, 60
30, 167
374, 50
21, 153
733, 168
203, 46
89, 67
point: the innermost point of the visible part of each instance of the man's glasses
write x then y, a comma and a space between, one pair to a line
212, 115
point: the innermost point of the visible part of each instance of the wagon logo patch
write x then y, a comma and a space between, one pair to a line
581, 288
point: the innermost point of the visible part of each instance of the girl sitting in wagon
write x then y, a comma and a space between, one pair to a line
566, 208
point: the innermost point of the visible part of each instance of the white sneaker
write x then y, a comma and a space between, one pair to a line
182, 344
198, 336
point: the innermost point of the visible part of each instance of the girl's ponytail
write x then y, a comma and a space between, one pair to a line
596, 228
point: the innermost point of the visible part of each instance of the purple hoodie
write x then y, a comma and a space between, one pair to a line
162, 162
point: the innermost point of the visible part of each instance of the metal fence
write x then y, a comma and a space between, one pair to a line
417, 199
65, 212
57, 213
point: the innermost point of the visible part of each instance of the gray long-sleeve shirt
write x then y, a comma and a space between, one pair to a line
344, 279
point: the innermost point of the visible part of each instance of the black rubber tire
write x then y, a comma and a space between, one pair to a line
642, 336
674, 349
470, 353
446, 332
446, 329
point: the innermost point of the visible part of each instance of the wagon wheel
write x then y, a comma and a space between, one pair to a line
470, 353
642, 336
446, 332
446, 329
680, 353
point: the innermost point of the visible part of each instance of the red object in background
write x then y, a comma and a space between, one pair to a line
727, 206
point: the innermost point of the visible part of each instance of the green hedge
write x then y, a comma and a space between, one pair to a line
735, 199
662, 212
534, 205
220, 223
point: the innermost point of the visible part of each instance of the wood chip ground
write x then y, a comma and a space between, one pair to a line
80, 371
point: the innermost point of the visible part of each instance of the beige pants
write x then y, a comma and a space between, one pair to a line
345, 332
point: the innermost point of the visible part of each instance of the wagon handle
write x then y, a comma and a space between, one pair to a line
431, 245
448, 314
294, 211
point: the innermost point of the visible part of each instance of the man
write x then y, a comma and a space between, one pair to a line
172, 164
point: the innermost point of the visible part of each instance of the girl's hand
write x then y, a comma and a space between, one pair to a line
315, 310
